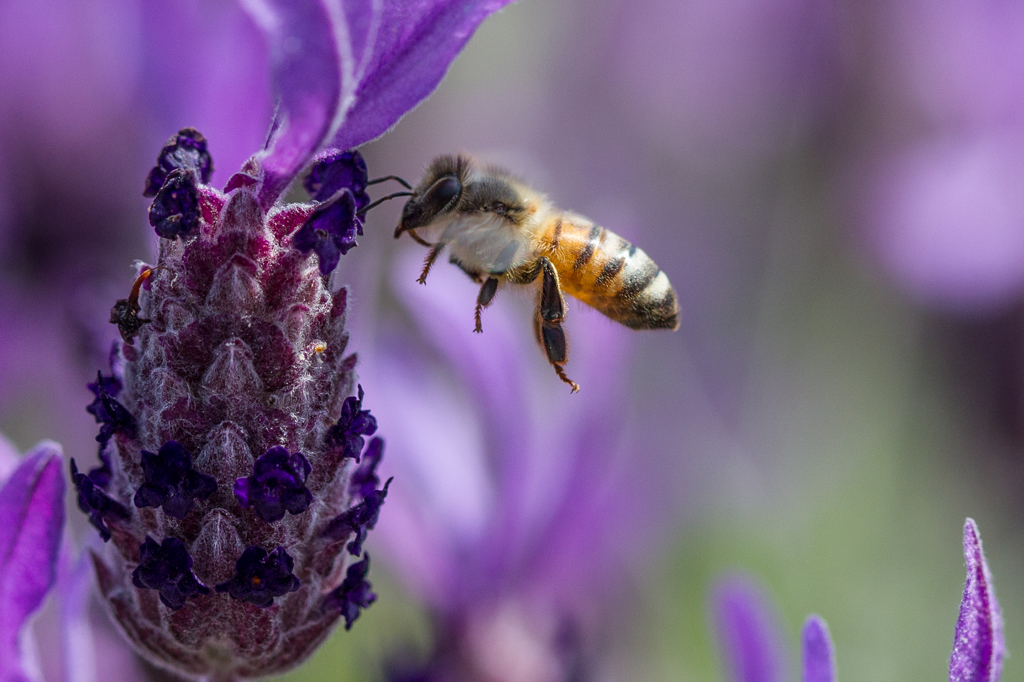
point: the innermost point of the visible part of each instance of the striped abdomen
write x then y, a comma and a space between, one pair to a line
608, 273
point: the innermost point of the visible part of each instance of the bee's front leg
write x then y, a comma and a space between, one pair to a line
487, 292
548, 321
429, 261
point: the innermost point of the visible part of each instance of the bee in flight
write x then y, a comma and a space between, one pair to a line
501, 231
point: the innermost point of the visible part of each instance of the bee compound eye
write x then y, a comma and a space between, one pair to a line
442, 194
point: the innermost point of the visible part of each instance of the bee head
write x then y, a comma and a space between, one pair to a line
437, 194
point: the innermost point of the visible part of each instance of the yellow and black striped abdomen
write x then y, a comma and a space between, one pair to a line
608, 273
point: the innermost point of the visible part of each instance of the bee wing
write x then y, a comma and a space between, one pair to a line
487, 243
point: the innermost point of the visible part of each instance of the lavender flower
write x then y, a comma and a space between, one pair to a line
235, 351
750, 641
32, 509
225, 368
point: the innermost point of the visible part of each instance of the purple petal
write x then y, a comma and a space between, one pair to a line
978, 646
411, 51
747, 632
31, 523
310, 56
819, 653
8, 458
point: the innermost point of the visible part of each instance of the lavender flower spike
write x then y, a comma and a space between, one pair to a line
818, 651
31, 525
978, 646
218, 446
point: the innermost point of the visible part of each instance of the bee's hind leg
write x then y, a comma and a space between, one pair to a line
435, 251
548, 322
487, 292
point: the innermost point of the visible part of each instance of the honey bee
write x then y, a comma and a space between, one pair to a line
502, 231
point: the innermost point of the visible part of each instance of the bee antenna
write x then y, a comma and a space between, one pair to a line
380, 201
390, 177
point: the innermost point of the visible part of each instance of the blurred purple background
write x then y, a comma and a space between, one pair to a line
835, 189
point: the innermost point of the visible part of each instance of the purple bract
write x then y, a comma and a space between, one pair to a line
32, 510
978, 646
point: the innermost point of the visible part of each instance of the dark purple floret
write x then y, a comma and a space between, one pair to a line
277, 485
114, 417
364, 478
167, 567
175, 211
336, 171
187, 151
111, 386
353, 424
171, 481
358, 520
260, 577
353, 594
96, 503
330, 231
102, 474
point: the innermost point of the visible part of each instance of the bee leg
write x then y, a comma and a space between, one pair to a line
487, 292
548, 323
429, 262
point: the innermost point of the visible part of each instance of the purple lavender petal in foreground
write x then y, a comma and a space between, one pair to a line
31, 523
310, 54
747, 633
978, 646
408, 60
818, 651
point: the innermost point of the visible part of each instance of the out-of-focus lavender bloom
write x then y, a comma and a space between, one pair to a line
234, 349
939, 201
722, 84
514, 511
750, 641
32, 514
819, 653
748, 633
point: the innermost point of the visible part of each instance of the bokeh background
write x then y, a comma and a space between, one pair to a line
836, 190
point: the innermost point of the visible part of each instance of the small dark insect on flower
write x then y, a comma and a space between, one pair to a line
125, 313
234, 491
